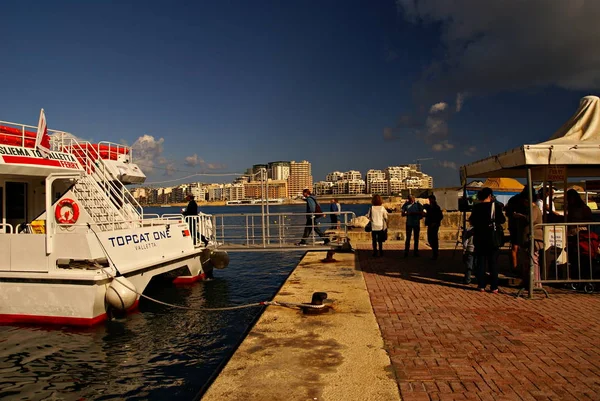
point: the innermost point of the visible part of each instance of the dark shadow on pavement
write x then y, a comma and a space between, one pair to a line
448, 270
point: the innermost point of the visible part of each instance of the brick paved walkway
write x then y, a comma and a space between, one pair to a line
449, 342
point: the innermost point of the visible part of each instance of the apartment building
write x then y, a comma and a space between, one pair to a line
334, 176
279, 171
277, 189
395, 186
234, 191
300, 178
356, 187
376, 182
215, 192
323, 188
352, 175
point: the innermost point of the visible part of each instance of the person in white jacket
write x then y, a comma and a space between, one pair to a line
378, 217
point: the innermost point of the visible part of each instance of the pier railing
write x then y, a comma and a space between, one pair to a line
253, 231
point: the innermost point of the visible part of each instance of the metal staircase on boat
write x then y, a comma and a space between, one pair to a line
108, 202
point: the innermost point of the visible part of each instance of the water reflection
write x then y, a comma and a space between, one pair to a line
156, 354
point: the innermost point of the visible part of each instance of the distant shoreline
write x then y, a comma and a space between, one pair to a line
323, 200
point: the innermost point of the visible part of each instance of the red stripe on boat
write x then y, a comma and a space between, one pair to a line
189, 279
61, 320
53, 320
30, 160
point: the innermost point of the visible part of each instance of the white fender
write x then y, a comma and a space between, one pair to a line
219, 259
119, 296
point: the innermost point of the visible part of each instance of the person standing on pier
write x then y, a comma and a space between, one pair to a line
313, 212
335, 208
433, 220
378, 217
413, 211
487, 219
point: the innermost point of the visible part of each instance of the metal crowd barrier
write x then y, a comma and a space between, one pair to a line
570, 253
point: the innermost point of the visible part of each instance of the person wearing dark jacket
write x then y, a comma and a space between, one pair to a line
192, 207
486, 218
192, 210
433, 220
311, 218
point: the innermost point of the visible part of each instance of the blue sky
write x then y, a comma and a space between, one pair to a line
216, 86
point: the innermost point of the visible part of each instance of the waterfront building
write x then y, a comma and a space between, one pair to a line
376, 182
198, 190
396, 172
277, 189
395, 186
300, 178
279, 170
215, 192
139, 194
234, 191
413, 182
348, 187
356, 187
352, 175
152, 196
256, 170
164, 195
377, 186
323, 188
339, 187
334, 176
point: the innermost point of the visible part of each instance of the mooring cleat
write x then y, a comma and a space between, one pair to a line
329, 258
317, 300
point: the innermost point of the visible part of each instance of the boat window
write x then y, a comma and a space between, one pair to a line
16, 202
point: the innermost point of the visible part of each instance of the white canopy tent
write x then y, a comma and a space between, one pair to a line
575, 145
573, 150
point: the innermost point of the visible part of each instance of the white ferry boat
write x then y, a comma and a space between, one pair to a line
74, 243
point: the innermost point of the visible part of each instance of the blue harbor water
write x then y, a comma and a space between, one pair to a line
157, 353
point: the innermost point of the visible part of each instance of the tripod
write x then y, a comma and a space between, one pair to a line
460, 231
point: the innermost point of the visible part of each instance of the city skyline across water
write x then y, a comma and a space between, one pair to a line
282, 180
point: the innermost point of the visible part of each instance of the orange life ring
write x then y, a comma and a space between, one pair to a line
67, 217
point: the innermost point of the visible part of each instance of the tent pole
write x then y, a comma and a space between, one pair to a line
531, 234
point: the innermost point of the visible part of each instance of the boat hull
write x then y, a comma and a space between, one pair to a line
64, 300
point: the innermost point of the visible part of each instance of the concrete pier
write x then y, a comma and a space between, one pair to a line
288, 355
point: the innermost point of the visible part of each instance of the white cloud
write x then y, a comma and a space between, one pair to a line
442, 146
441, 106
195, 161
506, 45
448, 164
147, 152
170, 168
